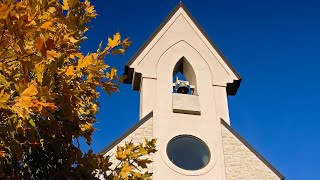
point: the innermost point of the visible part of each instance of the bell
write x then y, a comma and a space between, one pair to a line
183, 88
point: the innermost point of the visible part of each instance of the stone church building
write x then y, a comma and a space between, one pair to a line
189, 116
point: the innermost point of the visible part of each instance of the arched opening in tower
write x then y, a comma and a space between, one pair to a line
184, 78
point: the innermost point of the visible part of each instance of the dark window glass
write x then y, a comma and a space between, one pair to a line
188, 152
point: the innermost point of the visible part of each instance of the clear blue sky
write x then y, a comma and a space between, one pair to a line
273, 44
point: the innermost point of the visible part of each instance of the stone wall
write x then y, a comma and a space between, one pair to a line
241, 163
137, 136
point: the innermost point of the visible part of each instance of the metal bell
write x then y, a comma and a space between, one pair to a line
183, 88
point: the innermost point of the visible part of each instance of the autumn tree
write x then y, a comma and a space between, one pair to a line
48, 94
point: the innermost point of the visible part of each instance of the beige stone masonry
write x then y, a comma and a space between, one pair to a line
241, 163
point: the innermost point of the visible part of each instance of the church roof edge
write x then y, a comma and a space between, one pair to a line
127, 133
232, 88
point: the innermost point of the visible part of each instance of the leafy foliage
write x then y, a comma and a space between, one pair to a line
132, 161
48, 94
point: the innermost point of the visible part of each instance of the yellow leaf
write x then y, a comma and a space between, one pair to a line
127, 168
86, 127
19, 125
30, 91
25, 101
3, 99
65, 5
72, 39
112, 74
120, 155
31, 121
52, 54
26, 97
46, 25
86, 61
94, 108
4, 11
90, 9
127, 152
137, 174
20, 5
41, 142
28, 46
134, 155
3, 80
115, 41
51, 9
39, 71
79, 55
123, 175
143, 151
44, 16
70, 71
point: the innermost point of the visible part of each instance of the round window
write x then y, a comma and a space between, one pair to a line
188, 152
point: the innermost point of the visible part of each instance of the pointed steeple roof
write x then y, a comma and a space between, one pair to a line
134, 77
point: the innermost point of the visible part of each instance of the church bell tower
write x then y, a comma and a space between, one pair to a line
187, 124
184, 81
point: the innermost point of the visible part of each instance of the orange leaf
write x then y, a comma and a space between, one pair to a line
49, 105
86, 61
70, 71
137, 174
71, 56
39, 44
120, 155
4, 11
3, 154
46, 25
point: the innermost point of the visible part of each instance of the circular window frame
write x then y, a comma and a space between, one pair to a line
212, 154
198, 142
